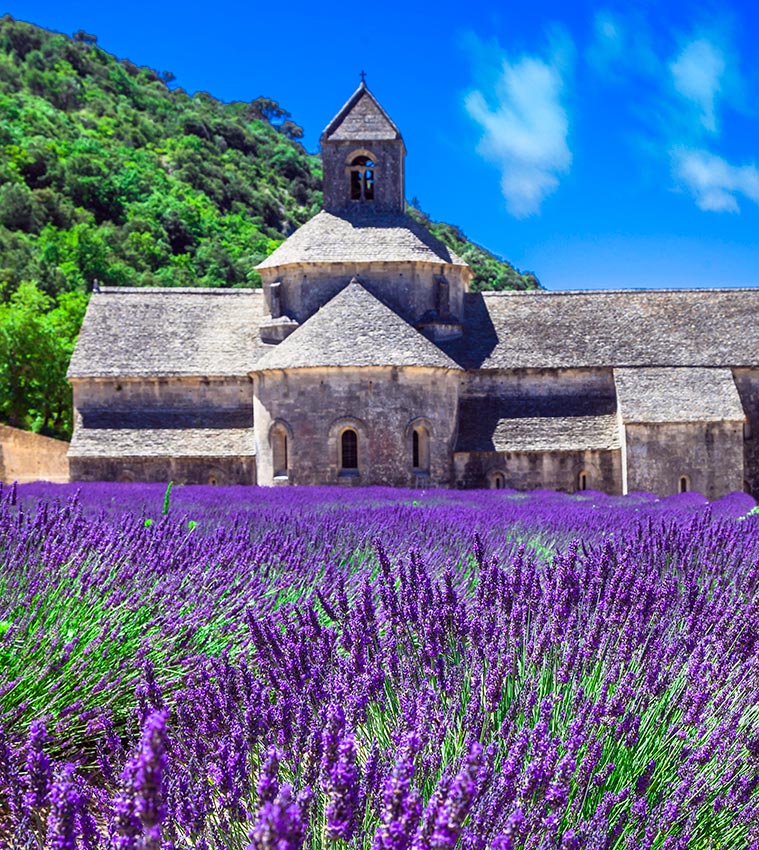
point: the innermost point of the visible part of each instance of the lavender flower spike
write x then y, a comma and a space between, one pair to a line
279, 825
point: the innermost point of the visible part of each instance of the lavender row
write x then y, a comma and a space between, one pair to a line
309, 668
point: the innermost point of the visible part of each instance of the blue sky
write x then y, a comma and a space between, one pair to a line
600, 145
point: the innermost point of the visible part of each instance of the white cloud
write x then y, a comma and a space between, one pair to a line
698, 74
525, 131
714, 182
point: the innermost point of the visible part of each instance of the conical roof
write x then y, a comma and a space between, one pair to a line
361, 237
355, 329
361, 119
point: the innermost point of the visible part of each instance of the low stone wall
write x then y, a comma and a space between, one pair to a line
541, 470
182, 470
25, 456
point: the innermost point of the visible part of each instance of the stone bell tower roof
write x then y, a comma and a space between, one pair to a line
361, 119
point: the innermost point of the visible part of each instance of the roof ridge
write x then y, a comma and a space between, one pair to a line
161, 290
514, 293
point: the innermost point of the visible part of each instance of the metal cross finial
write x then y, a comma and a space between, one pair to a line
363, 77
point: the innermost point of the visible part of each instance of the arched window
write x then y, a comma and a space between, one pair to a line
279, 452
683, 484
420, 449
582, 480
498, 481
362, 178
349, 450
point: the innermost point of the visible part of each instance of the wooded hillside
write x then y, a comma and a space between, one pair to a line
109, 173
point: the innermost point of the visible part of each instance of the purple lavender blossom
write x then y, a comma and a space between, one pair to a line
38, 768
268, 780
451, 814
140, 806
279, 824
66, 804
342, 787
401, 808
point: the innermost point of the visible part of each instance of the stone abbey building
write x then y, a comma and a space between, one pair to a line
365, 360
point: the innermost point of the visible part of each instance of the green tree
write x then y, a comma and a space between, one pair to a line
36, 341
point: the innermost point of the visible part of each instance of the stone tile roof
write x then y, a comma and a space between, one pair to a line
361, 237
155, 332
361, 119
677, 395
537, 425
163, 442
354, 329
610, 328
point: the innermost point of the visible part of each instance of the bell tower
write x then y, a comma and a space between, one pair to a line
362, 158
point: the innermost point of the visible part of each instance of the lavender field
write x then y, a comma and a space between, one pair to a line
245, 669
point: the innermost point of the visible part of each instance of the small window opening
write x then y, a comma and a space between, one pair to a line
498, 481
362, 179
582, 480
279, 453
420, 449
349, 449
684, 484
213, 480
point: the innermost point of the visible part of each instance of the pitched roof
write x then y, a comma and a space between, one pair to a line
512, 330
677, 395
537, 425
154, 332
354, 329
163, 442
361, 118
361, 237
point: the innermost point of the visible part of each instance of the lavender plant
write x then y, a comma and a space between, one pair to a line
380, 669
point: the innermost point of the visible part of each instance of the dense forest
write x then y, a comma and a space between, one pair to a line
110, 173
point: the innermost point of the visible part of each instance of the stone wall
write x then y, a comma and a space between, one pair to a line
380, 403
710, 455
747, 382
164, 402
540, 470
185, 470
409, 288
540, 384
30, 457
389, 192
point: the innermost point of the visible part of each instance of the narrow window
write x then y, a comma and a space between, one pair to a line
362, 179
213, 480
349, 449
582, 480
420, 449
684, 484
279, 452
498, 481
